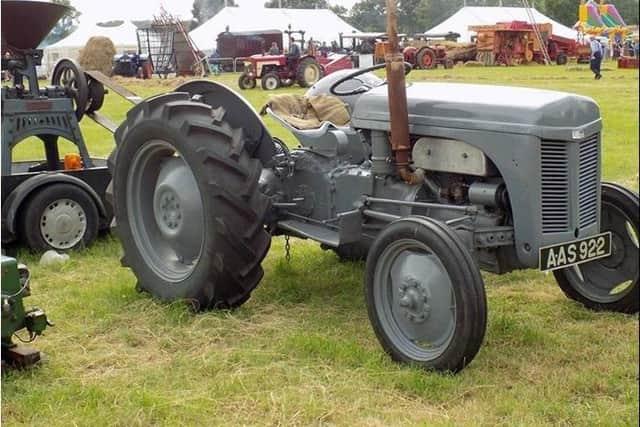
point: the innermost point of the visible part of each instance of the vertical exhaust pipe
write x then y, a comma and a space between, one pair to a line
397, 94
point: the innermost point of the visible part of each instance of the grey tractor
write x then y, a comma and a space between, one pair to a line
485, 178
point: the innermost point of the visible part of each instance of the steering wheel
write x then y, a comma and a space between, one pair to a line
364, 88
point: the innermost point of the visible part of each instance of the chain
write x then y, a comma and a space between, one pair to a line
287, 248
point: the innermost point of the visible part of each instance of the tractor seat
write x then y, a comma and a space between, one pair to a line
308, 113
319, 122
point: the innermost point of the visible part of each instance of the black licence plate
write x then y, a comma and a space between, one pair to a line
576, 252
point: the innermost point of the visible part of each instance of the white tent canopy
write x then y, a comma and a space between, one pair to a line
320, 24
121, 33
460, 21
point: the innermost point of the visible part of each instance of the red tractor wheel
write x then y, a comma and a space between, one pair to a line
308, 72
426, 59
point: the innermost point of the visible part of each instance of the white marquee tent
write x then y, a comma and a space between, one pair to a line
460, 21
321, 24
121, 33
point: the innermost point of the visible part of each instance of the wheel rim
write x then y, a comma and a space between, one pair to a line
427, 60
68, 74
311, 74
609, 279
165, 211
271, 83
414, 299
63, 223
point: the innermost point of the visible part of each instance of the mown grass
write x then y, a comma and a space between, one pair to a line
301, 351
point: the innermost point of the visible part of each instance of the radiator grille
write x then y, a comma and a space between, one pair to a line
588, 181
555, 186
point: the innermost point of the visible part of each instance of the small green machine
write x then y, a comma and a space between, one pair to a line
15, 287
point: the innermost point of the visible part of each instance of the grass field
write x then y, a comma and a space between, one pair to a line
301, 351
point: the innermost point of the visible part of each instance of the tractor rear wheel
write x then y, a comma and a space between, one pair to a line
308, 73
426, 59
425, 296
611, 283
186, 203
246, 81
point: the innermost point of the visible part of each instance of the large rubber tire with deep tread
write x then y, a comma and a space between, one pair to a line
466, 287
587, 290
33, 209
301, 71
234, 240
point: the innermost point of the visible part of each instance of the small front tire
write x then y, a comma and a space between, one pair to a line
245, 81
425, 296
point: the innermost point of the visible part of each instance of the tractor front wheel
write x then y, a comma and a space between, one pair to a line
562, 59
610, 284
186, 202
425, 295
270, 81
246, 81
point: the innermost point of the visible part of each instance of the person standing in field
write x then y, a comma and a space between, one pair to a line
596, 57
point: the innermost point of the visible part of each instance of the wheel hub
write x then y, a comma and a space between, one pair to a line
170, 213
414, 300
617, 252
63, 224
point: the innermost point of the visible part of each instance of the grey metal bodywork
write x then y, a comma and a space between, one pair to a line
507, 124
519, 130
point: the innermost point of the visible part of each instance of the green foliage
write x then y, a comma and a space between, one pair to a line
297, 4
341, 11
368, 15
628, 10
65, 26
203, 10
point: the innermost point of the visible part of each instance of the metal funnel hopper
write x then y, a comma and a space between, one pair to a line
26, 23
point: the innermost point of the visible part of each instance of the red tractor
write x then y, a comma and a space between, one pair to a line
275, 71
427, 51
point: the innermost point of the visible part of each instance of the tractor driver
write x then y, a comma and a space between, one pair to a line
294, 54
274, 50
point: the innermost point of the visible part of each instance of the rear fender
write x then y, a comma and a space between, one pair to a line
238, 113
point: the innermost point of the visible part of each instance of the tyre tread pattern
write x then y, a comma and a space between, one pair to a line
232, 258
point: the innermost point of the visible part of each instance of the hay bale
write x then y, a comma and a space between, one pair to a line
473, 64
98, 54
